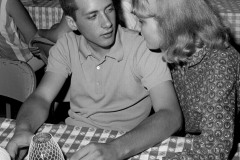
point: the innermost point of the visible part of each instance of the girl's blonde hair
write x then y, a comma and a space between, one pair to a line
185, 25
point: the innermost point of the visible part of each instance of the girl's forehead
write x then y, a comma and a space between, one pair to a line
153, 5
146, 8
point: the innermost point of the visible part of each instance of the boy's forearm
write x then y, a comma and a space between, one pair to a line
151, 131
32, 114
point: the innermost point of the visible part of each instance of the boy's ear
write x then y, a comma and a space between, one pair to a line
71, 23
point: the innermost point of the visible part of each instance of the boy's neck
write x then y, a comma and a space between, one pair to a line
98, 52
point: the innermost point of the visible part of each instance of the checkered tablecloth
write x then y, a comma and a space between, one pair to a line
230, 12
71, 138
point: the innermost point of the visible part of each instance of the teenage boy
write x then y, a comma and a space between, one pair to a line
115, 81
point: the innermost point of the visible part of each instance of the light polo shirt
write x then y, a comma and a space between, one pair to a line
11, 45
111, 93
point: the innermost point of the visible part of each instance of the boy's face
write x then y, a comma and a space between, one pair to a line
96, 20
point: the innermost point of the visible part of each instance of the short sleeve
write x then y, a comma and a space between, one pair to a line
59, 58
150, 67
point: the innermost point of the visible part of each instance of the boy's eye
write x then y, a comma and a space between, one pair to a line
109, 9
93, 16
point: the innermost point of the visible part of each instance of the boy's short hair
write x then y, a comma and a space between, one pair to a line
69, 8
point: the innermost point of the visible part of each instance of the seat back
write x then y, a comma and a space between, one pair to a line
17, 79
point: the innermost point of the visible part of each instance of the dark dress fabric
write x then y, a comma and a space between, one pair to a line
208, 91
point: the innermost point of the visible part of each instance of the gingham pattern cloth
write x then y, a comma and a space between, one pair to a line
45, 14
71, 138
230, 12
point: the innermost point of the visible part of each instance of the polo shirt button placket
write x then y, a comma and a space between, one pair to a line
98, 84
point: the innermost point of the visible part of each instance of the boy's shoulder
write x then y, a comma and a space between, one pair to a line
68, 38
129, 32
130, 37
133, 44
70, 35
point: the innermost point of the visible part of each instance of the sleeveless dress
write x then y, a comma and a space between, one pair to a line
12, 46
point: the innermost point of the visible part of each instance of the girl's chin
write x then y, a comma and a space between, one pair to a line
153, 48
158, 50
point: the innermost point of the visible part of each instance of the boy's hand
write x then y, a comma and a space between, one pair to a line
17, 147
96, 151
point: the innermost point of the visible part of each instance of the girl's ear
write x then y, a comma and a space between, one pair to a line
71, 23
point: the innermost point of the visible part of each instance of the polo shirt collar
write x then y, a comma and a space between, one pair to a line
83, 49
116, 52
